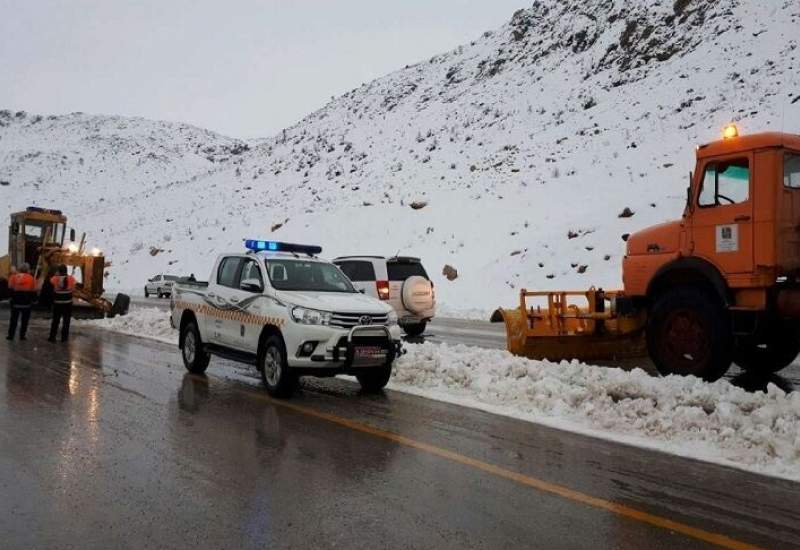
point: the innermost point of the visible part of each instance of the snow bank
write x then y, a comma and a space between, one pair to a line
145, 322
716, 422
686, 416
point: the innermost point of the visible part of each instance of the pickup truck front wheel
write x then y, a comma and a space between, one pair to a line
375, 379
195, 359
278, 378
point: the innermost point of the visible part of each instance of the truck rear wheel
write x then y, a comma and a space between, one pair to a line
195, 358
778, 352
689, 334
278, 378
375, 379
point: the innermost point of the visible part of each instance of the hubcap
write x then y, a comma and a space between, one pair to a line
272, 366
685, 342
189, 347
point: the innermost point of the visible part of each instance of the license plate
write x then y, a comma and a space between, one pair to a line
369, 354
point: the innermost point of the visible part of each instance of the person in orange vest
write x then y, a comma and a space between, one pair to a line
63, 285
23, 290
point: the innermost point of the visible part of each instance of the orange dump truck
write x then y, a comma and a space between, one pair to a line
722, 284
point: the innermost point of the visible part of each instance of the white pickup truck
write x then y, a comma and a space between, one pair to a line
279, 307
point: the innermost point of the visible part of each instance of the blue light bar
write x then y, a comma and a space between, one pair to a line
275, 246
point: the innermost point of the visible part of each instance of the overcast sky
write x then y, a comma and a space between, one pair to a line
245, 68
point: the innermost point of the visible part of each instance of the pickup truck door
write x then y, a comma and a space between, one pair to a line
222, 298
243, 335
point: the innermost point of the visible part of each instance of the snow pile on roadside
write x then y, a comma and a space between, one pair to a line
717, 422
145, 322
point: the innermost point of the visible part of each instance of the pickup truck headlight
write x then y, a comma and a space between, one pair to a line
311, 316
391, 318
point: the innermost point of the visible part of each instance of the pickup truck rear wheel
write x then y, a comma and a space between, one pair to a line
278, 378
375, 379
195, 359
146, 293
688, 333
778, 352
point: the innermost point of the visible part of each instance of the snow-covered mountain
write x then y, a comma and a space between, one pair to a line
524, 146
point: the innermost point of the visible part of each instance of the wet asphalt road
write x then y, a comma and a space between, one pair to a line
106, 442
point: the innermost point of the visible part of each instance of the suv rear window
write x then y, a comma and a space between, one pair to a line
400, 271
358, 271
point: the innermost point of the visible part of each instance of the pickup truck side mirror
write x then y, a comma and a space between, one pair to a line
251, 285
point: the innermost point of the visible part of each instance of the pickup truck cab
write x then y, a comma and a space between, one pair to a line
280, 307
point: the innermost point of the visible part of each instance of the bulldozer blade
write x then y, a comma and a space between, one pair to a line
583, 347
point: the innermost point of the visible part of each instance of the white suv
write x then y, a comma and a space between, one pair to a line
401, 281
160, 285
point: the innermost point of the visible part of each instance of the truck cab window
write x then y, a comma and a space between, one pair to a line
228, 269
791, 170
725, 183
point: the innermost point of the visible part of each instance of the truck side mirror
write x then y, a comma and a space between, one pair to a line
251, 285
72, 234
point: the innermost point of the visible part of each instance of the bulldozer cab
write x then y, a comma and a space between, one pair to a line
31, 232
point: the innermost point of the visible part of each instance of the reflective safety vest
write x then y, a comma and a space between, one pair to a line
63, 285
23, 290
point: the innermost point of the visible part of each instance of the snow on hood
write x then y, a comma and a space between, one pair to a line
340, 302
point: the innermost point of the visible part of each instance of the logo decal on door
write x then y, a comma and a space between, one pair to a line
728, 238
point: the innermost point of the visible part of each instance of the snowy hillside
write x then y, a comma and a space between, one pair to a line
524, 146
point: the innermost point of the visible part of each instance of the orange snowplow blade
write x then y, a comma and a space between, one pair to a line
564, 325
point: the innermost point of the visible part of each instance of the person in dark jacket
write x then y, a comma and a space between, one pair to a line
23, 291
63, 285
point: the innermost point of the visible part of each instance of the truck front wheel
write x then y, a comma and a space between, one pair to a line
195, 358
278, 378
778, 352
689, 334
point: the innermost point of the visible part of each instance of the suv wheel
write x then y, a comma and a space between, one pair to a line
146, 293
278, 378
195, 359
375, 379
415, 329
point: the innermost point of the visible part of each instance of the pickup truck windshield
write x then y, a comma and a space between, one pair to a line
310, 276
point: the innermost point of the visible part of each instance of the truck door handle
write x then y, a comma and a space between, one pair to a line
211, 295
742, 218
235, 300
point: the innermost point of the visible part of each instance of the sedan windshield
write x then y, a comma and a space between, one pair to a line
311, 276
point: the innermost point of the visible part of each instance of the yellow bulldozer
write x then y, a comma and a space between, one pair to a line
38, 237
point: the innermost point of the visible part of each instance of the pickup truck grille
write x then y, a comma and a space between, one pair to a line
350, 320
